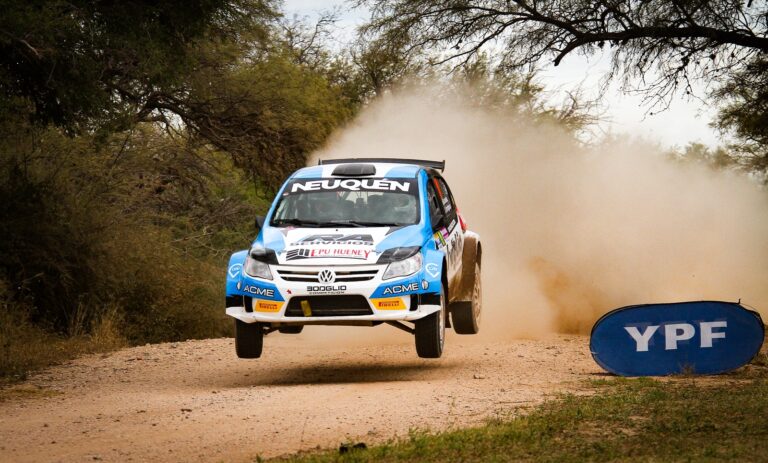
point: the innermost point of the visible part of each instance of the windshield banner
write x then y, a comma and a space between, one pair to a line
352, 184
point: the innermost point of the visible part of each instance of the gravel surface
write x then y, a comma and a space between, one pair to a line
195, 401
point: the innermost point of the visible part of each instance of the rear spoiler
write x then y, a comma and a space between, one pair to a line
439, 165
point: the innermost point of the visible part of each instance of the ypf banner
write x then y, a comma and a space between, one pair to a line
706, 337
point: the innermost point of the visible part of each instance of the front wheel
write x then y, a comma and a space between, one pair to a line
249, 339
430, 332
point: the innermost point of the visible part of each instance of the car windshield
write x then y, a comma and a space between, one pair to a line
348, 202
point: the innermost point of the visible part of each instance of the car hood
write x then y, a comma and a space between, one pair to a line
337, 246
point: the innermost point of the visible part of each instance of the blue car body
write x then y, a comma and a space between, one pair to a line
300, 272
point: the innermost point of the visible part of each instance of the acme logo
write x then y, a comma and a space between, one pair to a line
399, 289
258, 291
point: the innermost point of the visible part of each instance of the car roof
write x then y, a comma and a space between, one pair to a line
383, 169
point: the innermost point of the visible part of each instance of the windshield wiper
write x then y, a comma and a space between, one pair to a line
359, 223
296, 222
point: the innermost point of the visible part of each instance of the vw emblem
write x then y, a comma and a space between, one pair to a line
326, 276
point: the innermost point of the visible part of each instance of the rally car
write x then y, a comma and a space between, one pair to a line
359, 242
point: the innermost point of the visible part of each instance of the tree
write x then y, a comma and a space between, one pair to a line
671, 42
745, 114
130, 132
85, 63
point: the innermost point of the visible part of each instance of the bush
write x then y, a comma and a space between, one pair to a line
107, 242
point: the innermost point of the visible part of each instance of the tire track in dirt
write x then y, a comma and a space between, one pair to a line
195, 401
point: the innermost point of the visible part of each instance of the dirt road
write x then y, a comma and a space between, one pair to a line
194, 401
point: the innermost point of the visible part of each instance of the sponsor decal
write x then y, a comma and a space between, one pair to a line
258, 291
399, 289
234, 271
676, 332
330, 245
326, 289
338, 252
439, 240
392, 303
432, 269
705, 337
455, 248
335, 238
351, 185
266, 306
452, 226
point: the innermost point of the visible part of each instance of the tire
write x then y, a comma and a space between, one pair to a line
249, 339
465, 315
430, 332
291, 329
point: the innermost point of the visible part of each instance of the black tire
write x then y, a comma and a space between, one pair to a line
465, 315
430, 332
291, 329
249, 339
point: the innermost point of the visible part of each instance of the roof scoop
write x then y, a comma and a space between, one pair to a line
354, 170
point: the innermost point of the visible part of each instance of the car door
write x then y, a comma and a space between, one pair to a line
447, 233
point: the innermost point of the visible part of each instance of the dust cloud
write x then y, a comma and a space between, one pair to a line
569, 233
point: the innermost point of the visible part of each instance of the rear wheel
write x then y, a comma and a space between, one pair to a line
430, 332
291, 329
249, 339
466, 314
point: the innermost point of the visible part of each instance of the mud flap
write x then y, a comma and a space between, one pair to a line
463, 293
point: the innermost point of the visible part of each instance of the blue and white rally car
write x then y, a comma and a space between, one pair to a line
359, 242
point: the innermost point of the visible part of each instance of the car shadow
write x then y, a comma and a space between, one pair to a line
340, 374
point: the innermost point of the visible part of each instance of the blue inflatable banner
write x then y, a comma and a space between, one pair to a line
706, 337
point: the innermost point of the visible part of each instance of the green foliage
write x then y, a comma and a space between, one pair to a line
140, 140
269, 113
745, 114
129, 235
84, 62
717, 159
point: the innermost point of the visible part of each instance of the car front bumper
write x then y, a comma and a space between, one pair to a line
289, 298
403, 315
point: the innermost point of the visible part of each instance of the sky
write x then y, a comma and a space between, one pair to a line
685, 121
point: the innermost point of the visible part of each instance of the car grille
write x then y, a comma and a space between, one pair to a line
329, 306
342, 276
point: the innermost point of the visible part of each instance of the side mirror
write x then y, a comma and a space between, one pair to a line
259, 223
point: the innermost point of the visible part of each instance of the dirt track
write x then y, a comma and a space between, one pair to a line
196, 401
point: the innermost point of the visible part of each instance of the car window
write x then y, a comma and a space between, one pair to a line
435, 210
445, 196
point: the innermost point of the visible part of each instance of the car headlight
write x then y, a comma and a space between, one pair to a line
257, 268
402, 268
